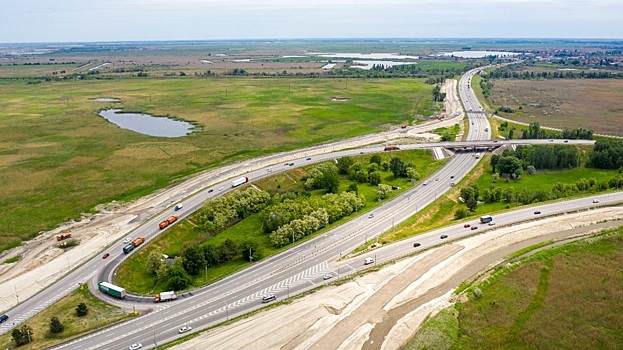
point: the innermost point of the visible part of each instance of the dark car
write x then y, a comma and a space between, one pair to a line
416, 245
566, 141
443, 236
105, 256
3, 318
210, 190
474, 228
466, 225
452, 177
308, 158
537, 212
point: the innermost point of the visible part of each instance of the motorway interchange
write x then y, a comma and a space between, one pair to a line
296, 270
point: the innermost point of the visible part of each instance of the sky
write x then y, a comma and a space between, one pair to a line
24, 21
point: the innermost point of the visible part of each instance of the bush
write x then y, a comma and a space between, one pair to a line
82, 310
56, 326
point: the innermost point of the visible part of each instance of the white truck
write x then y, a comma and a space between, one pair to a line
165, 296
239, 181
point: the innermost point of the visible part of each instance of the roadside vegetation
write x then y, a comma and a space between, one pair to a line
567, 297
292, 206
76, 314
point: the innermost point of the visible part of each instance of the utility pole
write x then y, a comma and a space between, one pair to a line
29, 340
206, 273
16, 296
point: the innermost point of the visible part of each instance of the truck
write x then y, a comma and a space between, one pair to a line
112, 290
63, 236
138, 241
485, 219
168, 222
239, 181
391, 148
128, 248
135, 243
165, 296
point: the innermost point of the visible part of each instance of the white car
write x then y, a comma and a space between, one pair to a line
327, 277
127, 240
184, 329
135, 346
370, 216
425, 183
368, 261
595, 200
492, 223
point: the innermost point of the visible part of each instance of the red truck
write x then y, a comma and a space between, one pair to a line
168, 222
63, 236
391, 148
138, 241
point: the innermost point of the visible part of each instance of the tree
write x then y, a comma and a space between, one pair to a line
154, 260
397, 166
330, 181
193, 259
494, 161
509, 165
178, 277
376, 158
82, 310
460, 214
353, 188
250, 251
471, 203
344, 163
228, 250
23, 335
55, 325
374, 178
383, 190
413, 174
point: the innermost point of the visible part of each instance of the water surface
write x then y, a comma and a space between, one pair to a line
147, 124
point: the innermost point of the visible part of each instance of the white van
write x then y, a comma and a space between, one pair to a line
268, 297
368, 261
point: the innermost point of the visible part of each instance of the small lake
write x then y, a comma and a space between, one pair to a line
108, 99
147, 124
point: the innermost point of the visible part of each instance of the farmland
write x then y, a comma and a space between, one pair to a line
60, 159
563, 103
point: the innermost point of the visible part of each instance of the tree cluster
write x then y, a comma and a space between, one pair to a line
22, 335
538, 156
222, 212
295, 218
607, 154
438, 96
323, 176
535, 132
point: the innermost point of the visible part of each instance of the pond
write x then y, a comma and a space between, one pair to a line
108, 99
147, 124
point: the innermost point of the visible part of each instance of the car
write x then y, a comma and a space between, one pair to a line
436, 179
565, 141
268, 298
106, 255
452, 176
291, 164
452, 184
495, 141
327, 277
135, 346
360, 152
415, 245
210, 190
492, 223
308, 158
474, 228
551, 140
467, 225
127, 240
368, 261
220, 188
425, 183
3, 318
269, 170
178, 207
443, 236
371, 216
184, 329
595, 200
537, 212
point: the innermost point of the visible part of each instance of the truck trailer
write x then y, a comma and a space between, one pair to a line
165, 296
168, 222
239, 181
63, 236
391, 148
112, 290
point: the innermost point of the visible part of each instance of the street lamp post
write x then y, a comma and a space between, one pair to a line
206, 273
16, 296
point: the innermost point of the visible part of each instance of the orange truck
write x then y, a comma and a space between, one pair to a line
63, 236
391, 148
138, 241
167, 222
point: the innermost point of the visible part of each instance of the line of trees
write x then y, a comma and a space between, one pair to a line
607, 154
538, 156
532, 75
222, 212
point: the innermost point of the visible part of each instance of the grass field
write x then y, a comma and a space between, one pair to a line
567, 297
59, 158
563, 103
100, 315
132, 276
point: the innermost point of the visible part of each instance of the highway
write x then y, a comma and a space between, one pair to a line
298, 269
